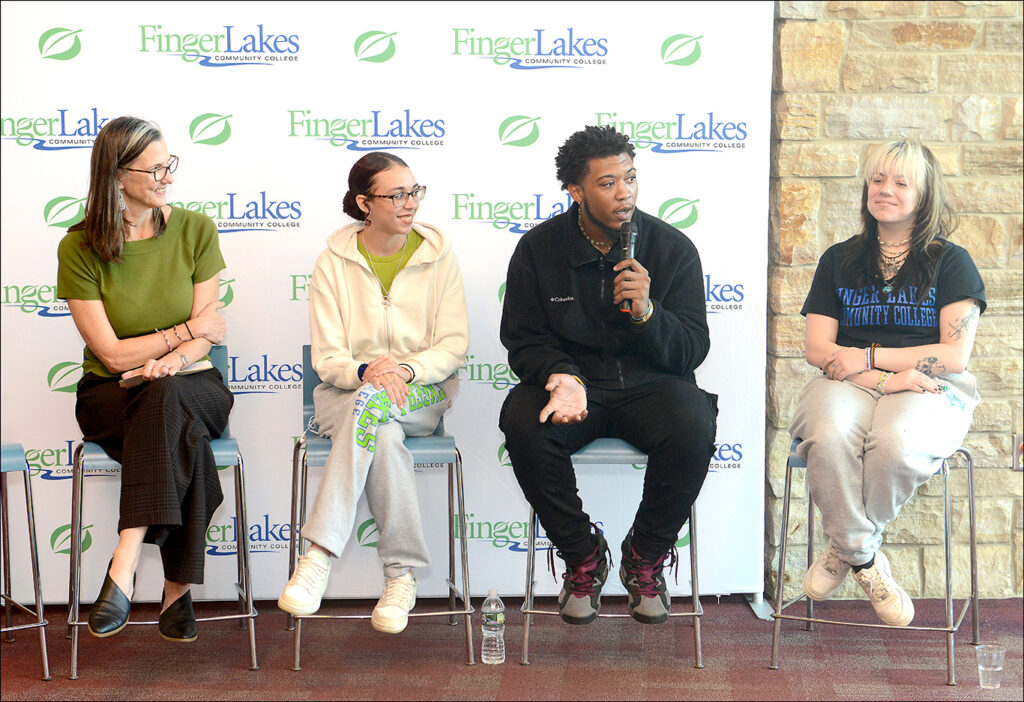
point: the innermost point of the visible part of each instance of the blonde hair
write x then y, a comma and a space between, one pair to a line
914, 161
934, 219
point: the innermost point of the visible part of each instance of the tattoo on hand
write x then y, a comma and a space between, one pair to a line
930, 366
958, 327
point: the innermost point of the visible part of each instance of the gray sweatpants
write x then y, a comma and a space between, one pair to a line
867, 453
367, 452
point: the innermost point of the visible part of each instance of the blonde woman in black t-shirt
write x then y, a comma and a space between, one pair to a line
891, 318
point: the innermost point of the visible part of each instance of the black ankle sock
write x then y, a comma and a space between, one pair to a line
857, 569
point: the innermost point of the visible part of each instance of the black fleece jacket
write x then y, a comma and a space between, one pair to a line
558, 315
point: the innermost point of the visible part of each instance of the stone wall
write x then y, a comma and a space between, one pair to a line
849, 75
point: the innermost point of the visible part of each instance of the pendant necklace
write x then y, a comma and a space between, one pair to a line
386, 292
890, 262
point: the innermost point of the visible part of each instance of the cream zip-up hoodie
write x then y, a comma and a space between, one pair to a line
426, 324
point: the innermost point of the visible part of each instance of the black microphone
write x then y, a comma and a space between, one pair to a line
627, 241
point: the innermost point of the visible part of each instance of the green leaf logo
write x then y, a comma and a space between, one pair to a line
681, 50
60, 44
679, 212
60, 539
63, 377
375, 47
501, 293
519, 130
685, 540
64, 211
366, 531
210, 128
503, 459
228, 294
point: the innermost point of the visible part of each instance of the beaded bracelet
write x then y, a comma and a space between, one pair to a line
164, 335
882, 379
175, 330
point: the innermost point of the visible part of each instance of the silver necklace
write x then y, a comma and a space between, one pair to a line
386, 292
893, 244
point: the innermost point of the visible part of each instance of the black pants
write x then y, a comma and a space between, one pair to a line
671, 420
160, 432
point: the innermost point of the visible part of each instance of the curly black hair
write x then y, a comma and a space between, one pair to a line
590, 142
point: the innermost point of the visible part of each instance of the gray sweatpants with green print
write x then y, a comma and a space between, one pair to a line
367, 453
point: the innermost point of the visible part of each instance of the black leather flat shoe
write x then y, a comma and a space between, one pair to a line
109, 613
178, 621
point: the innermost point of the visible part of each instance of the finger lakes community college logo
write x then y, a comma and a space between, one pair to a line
65, 128
539, 49
230, 45
680, 132
373, 130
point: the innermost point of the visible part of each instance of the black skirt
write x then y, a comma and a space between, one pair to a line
159, 431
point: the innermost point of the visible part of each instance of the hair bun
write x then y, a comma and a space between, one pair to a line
348, 205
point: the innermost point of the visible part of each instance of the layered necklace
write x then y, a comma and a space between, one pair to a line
891, 255
386, 292
596, 244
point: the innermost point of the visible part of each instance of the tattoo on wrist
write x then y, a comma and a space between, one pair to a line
930, 366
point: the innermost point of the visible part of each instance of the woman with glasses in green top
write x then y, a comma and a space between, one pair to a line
142, 282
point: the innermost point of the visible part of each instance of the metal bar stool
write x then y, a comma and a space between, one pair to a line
311, 450
13, 459
89, 456
950, 627
609, 452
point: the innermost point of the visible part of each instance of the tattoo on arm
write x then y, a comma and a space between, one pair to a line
958, 327
930, 366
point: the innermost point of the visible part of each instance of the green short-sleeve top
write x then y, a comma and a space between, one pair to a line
152, 288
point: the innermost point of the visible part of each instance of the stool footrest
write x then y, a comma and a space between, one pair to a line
951, 626
607, 451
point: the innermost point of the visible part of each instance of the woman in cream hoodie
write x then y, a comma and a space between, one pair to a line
389, 332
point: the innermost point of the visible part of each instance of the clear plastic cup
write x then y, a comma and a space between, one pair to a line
991, 658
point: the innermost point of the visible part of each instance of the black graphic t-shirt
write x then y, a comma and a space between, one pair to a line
894, 319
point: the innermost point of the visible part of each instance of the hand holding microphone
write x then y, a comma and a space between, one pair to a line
633, 283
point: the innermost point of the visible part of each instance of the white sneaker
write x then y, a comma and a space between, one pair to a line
891, 602
306, 587
826, 574
392, 611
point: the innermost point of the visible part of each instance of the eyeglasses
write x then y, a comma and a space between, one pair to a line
158, 172
418, 193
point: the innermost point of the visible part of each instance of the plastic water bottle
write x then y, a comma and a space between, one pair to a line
492, 650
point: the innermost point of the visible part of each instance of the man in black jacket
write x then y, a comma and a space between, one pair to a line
589, 370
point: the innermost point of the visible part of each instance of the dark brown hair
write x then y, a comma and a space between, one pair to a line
118, 144
590, 142
360, 179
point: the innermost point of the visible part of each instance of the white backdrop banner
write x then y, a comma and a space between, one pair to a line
268, 105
